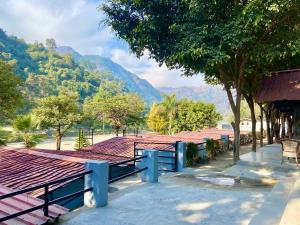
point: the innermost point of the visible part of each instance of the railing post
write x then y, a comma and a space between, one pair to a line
181, 155
151, 162
98, 180
46, 201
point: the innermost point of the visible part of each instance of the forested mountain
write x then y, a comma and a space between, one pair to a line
131, 81
46, 72
206, 93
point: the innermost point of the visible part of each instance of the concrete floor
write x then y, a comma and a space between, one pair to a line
184, 199
171, 202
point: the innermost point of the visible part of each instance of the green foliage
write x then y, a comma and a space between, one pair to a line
212, 147
192, 156
228, 41
60, 113
187, 115
120, 110
245, 112
5, 135
81, 141
169, 104
25, 128
193, 116
10, 96
46, 72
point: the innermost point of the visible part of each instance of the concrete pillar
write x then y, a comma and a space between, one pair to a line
98, 180
151, 162
181, 156
224, 137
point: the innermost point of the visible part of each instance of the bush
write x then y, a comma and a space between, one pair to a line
192, 156
212, 148
81, 141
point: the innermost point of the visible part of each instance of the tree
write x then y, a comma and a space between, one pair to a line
10, 93
51, 43
25, 127
157, 120
110, 104
60, 113
189, 116
169, 103
194, 116
121, 110
219, 38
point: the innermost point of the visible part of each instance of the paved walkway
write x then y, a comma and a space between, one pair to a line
199, 196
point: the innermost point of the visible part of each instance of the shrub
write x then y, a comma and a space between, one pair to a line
192, 156
81, 141
212, 148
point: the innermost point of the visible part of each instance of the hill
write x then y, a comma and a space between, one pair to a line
49, 70
131, 81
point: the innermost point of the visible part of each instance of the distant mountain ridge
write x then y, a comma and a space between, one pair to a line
131, 81
205, 92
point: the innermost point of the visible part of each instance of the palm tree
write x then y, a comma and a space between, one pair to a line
25, 128
169, 103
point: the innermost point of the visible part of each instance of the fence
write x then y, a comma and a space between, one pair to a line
128, 163
167, 154
47, 203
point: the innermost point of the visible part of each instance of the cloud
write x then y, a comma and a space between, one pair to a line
149, 69
69, 22
76, 24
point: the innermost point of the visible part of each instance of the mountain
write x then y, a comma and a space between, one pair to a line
131, 81
48, 70
205, 93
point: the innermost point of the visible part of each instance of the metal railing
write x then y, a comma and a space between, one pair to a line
47, 202
165, 157
129, 162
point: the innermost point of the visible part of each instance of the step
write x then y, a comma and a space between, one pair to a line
292, 210
274, 205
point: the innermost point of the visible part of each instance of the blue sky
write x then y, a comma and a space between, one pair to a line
76, 23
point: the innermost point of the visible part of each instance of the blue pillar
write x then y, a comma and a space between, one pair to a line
224, 137
98, 180
151, 162
181, 155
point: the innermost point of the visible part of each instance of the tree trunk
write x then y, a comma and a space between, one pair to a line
267, 113
117, 131
282, 126
261, 137
58, 137
250, 102
235, 106
58, 141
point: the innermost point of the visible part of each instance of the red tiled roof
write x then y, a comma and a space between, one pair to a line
213, 133
283, 85
22, 202
83, 155
19, 170
124, 146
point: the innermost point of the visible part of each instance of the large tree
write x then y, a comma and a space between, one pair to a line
59, 113
116, 107
10, 92
218, 38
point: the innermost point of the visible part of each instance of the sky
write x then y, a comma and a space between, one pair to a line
76, 23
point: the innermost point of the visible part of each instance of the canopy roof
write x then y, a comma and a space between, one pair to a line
281, 86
